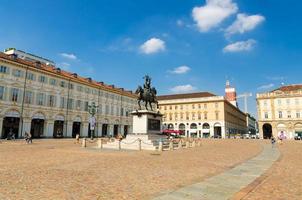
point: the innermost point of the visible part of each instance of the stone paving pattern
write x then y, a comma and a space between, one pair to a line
60, 169
284, 179
227, 184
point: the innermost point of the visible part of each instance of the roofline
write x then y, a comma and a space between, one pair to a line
97, 85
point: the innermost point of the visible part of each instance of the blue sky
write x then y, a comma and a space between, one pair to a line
184, 45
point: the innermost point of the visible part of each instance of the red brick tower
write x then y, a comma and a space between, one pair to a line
230, 94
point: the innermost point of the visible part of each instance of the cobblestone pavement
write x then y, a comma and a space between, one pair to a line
225, 185
284, 180
60, 169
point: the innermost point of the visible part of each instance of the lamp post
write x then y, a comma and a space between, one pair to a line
92, 121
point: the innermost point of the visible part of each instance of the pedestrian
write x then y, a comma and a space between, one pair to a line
273, 141
28, 138
77, 138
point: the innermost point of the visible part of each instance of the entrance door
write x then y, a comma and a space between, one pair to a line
115, 130
10, 127
58, 129
104, 130
125, 130
37, 128
217, 132
267, 131
76, 129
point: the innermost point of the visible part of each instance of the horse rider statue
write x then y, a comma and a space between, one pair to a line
146, 94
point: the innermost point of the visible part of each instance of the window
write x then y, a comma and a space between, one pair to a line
87, 90
70, 103
112, 110
205, 115
287, 101
28, 97
40, 99
199, 106
187, 116
205, 106
42, 79
1, 92
70, 86
3, 69
62, 84
279, 102
175, 107
217, 115
51, 101
17, 73
86, 106
289, 114
80, 88
297, 101
122, 111
79, 104
62, 102
30, 76
165, 108
15, 93
297, 114
181, 107
181, 115
170, 117
193, 116
280, 114
199, 115
170, 107
53, 82
265, 103
193, 106
266, 115
107, 110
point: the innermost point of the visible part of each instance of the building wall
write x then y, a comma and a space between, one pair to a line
281, 110
47, 100
208, 114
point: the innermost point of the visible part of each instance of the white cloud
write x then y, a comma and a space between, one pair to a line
153, 45
266, 87
240, 46
244, 23
213, 13
180, 23
68, 56
181, 70
183, 88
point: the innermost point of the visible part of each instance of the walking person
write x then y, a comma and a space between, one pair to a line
273, 141
28, 138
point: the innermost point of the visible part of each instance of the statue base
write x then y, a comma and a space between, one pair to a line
146, 132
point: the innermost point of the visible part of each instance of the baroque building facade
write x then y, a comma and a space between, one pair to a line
279, 112
202, 115
39, 98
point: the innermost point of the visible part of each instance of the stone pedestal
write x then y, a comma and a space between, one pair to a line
146, 132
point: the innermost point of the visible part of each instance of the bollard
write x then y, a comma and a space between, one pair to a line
160, 146
171, 145
100, 143
187, 144
119, 145
193, 143
84, 143
139, 144
179, 144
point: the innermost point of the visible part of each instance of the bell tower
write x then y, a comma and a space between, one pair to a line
230, 94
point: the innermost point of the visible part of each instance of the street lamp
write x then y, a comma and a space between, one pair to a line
92, 121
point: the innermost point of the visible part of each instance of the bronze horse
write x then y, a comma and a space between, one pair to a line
146, 95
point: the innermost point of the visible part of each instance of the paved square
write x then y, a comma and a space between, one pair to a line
60, 169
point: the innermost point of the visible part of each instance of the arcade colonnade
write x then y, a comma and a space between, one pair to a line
41, 125
199, 129
289, 129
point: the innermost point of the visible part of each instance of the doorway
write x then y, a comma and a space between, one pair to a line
10, 127
37, 128
76, 129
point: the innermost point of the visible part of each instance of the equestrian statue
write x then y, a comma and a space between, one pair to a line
146, 94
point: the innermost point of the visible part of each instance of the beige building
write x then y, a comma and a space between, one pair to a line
279, 111
202, 115
40, 98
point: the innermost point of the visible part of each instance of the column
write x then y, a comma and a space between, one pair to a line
26, 126
85, 129
98, 130
211, 131
1, 126
223, 132
69, 129
49, 128
122, 129
110, 130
